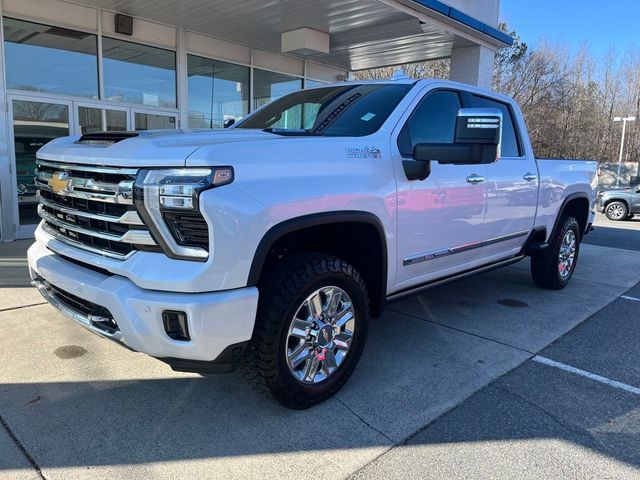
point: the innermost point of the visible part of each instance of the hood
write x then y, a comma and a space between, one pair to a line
159, 148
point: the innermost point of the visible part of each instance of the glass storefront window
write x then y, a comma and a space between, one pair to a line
268, 86
136, 73
218, 91
41, 58
93, 120
153, 121
34, 124
308, 83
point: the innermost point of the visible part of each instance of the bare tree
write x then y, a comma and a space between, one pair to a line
568, 97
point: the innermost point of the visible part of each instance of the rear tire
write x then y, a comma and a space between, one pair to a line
553, 268
616, 211
294, 315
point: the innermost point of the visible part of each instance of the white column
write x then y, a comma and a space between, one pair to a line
181, 72
473, 65
7, 200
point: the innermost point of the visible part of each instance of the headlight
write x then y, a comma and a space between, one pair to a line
168, 202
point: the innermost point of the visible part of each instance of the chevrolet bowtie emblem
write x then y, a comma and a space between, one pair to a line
59, 182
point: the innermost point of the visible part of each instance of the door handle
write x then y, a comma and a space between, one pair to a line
475, 179
530, 177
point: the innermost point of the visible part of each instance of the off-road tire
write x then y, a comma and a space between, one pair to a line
285, 286
544, 265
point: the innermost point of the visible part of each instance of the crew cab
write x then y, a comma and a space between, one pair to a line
271, 244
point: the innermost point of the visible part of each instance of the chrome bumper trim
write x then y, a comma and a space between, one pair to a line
67, 311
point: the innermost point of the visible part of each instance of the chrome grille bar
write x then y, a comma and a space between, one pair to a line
88, 189
88, 168
131, 217
83, 246
139, 237
91, 208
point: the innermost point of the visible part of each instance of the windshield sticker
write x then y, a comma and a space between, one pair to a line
366, 152
368, 116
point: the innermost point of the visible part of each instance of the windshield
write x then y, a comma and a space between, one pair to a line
345, 110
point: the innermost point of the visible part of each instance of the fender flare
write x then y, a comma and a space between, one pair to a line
313, 220
562, 208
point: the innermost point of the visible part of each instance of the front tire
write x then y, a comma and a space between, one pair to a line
310, 330
553, 268
616, 211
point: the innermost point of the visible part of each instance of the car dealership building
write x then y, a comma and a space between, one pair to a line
102, 65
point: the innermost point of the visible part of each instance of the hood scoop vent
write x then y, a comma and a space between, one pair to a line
105, 138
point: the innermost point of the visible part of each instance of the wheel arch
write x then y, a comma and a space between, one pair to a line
617, 199
302, 232
576, 204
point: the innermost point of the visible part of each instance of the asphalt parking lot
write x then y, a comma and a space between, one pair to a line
490, 377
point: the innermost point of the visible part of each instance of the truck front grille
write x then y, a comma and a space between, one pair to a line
92, 208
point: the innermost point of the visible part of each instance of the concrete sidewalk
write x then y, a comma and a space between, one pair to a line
15, 284
83, 407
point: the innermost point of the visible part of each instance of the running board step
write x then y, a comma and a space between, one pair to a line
436, 283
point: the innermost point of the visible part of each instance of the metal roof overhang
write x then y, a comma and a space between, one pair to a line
363, 33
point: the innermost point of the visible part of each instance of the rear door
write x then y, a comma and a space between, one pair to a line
512, 187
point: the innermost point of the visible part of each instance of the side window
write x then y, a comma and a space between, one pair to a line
510, 146
433, 121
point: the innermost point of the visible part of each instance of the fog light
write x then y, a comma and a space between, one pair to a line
175, 324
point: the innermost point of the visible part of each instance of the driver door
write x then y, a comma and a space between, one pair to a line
439, 218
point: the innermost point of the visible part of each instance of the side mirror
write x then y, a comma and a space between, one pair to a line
228, 122
477, 140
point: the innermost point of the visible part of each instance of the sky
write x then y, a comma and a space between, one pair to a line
600, 23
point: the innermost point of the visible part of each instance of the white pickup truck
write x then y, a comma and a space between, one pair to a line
272, 243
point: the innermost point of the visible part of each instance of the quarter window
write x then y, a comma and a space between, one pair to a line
433, 121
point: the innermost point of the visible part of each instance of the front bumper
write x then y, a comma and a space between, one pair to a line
220, 323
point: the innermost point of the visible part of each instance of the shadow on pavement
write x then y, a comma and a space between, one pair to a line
98, 423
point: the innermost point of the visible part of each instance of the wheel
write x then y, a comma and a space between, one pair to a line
616, 211
310, 329
553, 268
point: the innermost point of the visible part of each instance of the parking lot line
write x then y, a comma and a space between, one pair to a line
627, 297
589, 375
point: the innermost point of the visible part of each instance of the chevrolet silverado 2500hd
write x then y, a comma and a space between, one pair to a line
271, 243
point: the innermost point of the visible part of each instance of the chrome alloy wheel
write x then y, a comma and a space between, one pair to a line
320, 335
615, 211
567, 254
